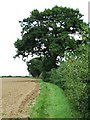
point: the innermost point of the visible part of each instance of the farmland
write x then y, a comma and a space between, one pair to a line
17, 94
33, 98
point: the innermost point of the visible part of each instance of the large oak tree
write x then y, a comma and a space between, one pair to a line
50, 34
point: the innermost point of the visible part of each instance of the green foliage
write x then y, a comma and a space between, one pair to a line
34, 67
73, 78
39, 65
51, 33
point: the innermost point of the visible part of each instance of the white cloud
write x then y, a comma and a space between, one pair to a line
11, 11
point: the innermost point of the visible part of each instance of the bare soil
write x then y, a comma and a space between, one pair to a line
17, 96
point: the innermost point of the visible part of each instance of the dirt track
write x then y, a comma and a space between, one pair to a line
17, 94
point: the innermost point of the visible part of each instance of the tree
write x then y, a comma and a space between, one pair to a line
50, 34
35, 67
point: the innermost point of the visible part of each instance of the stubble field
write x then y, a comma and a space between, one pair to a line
17, 95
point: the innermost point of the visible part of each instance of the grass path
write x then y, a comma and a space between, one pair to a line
52, 103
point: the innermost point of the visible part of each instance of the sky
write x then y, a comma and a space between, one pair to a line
11, 12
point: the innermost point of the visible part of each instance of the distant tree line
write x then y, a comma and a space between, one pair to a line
13, 76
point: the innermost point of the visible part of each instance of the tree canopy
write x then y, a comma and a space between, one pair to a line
51, 33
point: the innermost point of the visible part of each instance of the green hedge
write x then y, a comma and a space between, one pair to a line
73, 78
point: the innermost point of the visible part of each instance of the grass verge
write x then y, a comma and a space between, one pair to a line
52, 103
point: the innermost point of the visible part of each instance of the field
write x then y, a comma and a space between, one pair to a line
17, 94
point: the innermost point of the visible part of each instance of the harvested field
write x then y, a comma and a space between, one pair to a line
17, 94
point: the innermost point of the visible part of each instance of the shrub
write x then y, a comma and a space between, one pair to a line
73, 78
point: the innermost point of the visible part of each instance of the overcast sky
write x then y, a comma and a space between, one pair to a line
11, 11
